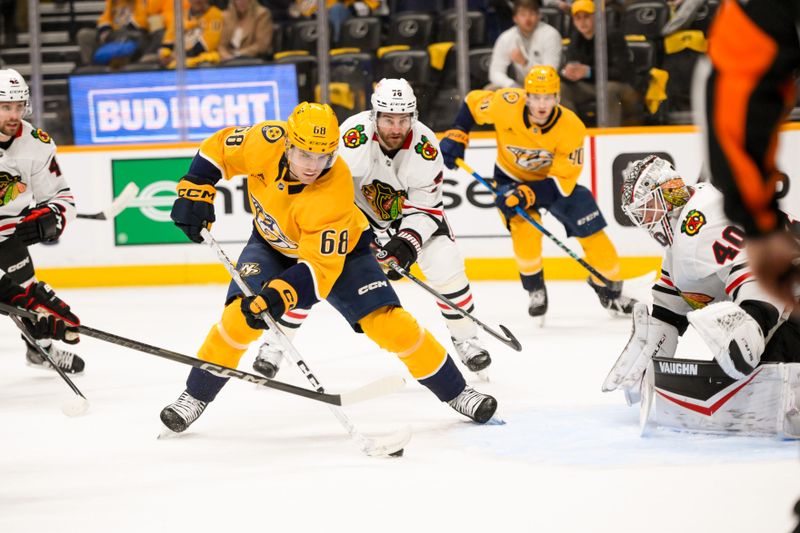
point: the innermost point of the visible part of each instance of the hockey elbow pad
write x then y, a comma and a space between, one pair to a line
735, 338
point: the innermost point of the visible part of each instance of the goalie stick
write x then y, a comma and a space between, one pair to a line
382, 386
117, 206
508, 338
373, 446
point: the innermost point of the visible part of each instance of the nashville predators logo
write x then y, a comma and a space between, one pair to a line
41, 135
426, 149
272, 133
10, 188
696, 300
386, 202
693, 222
270, 229
249, 269
354, 137
531, 159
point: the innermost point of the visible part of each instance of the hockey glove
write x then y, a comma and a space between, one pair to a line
520, 196
44, 223
735, 338
55, 321
452, 146
194, 208
275, 298
402, 249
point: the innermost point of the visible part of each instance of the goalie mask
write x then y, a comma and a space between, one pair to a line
652, 192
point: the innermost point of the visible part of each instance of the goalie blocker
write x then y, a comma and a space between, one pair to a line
692, 395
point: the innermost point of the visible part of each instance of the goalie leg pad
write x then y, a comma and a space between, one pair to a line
734, 337
649, 337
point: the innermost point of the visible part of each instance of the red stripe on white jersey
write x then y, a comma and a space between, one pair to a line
296, 315
738, 281
408, 206
666, 281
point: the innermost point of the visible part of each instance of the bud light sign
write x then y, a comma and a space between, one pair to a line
142, 107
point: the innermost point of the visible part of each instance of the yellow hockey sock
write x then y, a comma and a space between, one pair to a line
601, 254
229, 338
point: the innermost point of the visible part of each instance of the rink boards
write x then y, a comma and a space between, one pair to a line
142, 247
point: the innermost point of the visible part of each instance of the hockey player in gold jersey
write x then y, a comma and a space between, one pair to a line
309, 242
539, 159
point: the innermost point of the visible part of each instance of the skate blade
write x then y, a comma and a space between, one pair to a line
496, 420
541, 321
167, 433
46, 367
483, 375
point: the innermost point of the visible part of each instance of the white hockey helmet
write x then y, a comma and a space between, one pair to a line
14, 89
652, 191
393, 95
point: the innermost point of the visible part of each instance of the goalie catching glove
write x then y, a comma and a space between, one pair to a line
402, 249
735, 338
193, 210
650, 337
275, 298
55, 320
45, 223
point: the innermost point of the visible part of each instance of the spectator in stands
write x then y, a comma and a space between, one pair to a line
118, 35
246, 30
530, 42
202, 27
578, 87
338, 11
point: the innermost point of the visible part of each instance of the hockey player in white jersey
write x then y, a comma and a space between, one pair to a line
706, 282
398, 175
35, 200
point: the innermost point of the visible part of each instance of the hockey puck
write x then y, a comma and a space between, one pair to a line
398, 453
75, 406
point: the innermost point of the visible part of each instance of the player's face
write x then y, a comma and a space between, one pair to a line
11, 114
393, 128
541, 106
305, 166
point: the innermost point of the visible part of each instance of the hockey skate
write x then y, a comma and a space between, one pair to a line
268, 360
472, 404
66, 360
180, 414
537, 306
611, 297
472, 353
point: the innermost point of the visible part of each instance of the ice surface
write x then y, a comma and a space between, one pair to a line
569, 458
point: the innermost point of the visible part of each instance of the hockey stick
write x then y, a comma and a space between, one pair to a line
367, 392
78, 404
508, 338
521, 212
375, 447
117, 206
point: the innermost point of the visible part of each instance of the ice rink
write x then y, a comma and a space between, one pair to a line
569, 458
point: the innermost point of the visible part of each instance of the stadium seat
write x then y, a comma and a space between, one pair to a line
645, 18
278, 37
479, 59
476, 25
643, 58
302, 35
363, 33
306, 66
555, 18
413, 65
412, 29
704, 16
351, 82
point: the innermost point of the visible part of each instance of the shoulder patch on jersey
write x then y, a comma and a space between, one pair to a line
41, 135
530, 158
511, 97
693, 222
249, 269
426, 149
10, 187
386, 202
272, 133
354, 137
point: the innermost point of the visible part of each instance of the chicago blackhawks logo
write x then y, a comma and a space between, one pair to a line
41, 135
386, 202
693, 222
272, 133
531, 159
354, 137
10, 187
426, 149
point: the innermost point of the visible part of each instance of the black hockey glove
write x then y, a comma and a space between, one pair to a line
55, 321
452, 146
44, 223
275, 298
402, 249
194, 208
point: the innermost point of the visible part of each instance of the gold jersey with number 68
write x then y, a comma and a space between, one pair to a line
527, 151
